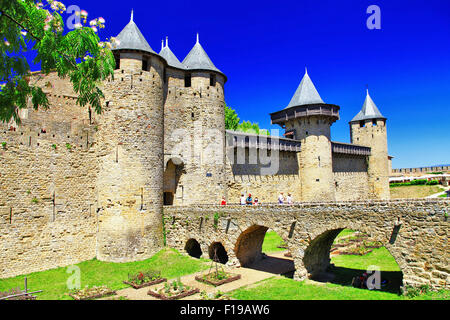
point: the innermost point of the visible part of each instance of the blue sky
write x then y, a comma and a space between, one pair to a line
264, 46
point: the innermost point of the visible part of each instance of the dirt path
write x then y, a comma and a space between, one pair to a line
275, 263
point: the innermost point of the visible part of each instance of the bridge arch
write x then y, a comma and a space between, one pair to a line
216, 249
193, 248
248, 247
316, 258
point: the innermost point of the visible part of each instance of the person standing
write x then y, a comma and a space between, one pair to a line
243, 200
256, 203
281, 198
224, 202
289, 199
249, 200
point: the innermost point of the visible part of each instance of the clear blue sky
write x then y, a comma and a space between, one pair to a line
264, 46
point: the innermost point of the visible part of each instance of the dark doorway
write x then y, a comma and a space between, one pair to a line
218, 253
168, 198
193, 248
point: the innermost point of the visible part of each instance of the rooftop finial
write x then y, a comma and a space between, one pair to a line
162, 44
367, 89
132, 15
198, 38
167, 42
306, 70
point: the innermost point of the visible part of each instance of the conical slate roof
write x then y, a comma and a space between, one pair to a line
369, 111
305, 94
131, 38
170, 57
198, 59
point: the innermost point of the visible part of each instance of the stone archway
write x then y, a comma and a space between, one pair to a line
218, 250
172, 174
193, 248
248, 251
317, 262
248, 248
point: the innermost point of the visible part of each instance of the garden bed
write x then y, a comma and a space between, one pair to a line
144, 279
173, 291
92, 293
143, 285
182, 295
210, 279
355, 253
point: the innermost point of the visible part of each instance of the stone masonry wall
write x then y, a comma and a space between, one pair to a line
46, 222
350, 177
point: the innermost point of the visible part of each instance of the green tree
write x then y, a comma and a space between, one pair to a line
78, 55
231, 119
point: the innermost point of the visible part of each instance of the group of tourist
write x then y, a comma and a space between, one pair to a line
249, 201
285, 200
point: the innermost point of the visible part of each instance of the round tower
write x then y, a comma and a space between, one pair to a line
310, 120
368, 129
130, 145
194, 129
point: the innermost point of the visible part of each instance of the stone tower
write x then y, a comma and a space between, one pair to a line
130, 147
310, 120
194, 129
368, 128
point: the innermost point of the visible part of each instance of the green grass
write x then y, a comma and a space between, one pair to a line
378, 257
97, 273
287, 289
271, 242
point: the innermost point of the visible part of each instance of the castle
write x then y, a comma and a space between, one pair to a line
77, 185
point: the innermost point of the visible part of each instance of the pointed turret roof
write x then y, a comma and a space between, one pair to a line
198, 59
131, 38
170, 57
369, 111
305, 94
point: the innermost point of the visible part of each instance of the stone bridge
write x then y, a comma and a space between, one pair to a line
414, 231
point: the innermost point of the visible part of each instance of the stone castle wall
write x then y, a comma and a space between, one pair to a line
374, 136
247, 178
350, 177
48, 169
194, 132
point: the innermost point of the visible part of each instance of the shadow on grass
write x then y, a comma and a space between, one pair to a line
344, 277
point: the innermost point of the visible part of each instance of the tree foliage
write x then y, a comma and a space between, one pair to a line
231, 119
77, 55
232, 122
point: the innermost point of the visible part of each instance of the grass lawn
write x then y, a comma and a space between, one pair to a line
414, 192
271, 242
96, 273
277, 288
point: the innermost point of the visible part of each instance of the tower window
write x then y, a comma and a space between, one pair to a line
145, 65
117, 63
374, 123
212, 80
362, 124
187, 80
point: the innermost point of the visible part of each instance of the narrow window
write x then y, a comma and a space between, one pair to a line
117, 63
145, 65
212, 80
187, 80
